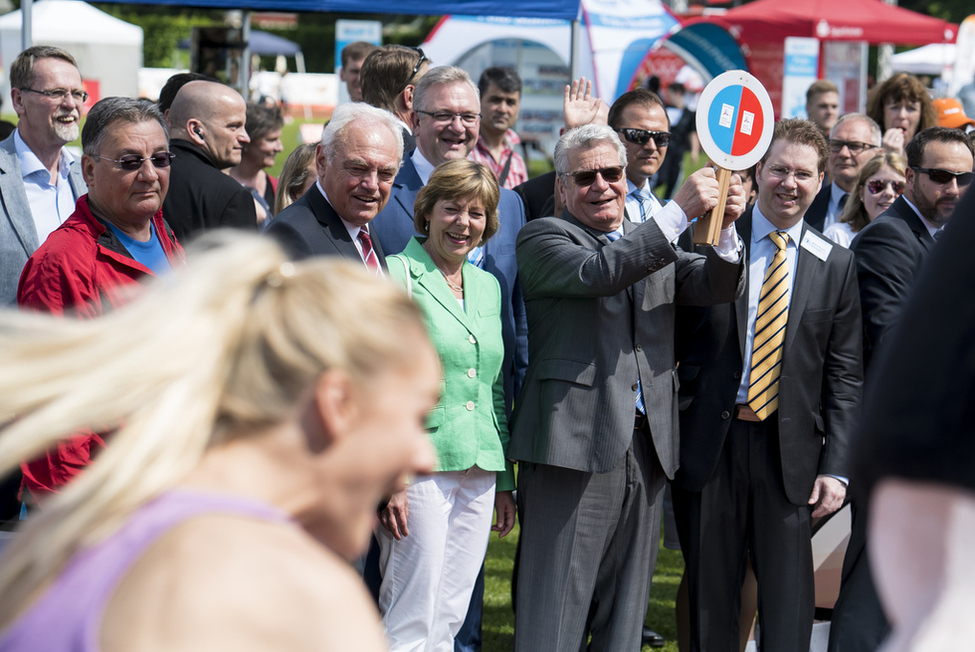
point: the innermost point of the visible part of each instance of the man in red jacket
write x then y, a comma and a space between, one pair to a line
115, 238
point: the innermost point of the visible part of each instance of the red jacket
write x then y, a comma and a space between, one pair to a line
81, 269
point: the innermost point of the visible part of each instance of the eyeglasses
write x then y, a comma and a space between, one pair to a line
588, 177
876, 186
131, 162
945, 176
61, 94
446, 117
855, 147
416, 68
642, 136
782, 172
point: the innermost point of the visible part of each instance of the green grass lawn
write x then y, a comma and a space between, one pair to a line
499, 621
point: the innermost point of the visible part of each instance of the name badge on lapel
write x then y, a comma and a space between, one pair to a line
817, 246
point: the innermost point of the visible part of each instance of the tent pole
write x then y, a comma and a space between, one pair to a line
884, 52
573, 42
243, 69
27, 26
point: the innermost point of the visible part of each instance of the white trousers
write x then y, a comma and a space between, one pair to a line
428, 577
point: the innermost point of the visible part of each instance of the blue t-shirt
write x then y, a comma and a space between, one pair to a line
149, 253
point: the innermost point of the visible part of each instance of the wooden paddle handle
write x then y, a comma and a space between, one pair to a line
708, 229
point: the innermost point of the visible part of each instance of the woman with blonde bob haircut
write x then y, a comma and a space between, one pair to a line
881, 181
434, 534
259, 408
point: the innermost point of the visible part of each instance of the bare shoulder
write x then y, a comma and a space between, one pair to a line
228, 582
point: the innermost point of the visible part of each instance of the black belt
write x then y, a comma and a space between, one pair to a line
640, 422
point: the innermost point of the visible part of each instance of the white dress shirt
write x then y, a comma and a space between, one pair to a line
353, 229
761, 249
50, 204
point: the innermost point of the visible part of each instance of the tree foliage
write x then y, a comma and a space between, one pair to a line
164, 27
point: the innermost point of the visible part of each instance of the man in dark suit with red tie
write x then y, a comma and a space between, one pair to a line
357, 161
769, 387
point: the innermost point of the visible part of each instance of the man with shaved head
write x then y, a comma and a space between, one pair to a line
207, 125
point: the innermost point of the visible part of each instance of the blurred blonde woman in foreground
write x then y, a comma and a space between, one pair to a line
259, 409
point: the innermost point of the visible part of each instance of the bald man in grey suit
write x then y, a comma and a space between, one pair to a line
600, 293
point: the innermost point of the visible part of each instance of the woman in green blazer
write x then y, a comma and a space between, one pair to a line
435, 533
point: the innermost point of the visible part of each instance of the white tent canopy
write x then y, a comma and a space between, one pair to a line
932, 59
108, 50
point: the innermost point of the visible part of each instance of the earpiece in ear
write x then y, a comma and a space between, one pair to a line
196, 130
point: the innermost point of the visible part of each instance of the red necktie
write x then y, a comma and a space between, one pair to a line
368, 253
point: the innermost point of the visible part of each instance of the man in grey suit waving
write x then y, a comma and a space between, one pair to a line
595, 424
39, 179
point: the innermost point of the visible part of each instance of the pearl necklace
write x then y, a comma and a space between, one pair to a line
453, 286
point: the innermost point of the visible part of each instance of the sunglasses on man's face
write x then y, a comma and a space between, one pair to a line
642, 136
876, 186
945, 176
131, 162
588, 177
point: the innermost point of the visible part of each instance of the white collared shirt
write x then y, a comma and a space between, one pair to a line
670, 218
353, 229
50, 204
760, 252
424, 168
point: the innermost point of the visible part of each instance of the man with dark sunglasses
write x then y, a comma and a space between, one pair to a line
890, 251
594, 427
640, 119
115, 239
853, 140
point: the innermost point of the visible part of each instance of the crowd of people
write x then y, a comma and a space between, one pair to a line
348, 363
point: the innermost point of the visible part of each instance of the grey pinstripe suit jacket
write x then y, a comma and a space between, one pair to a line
599, 314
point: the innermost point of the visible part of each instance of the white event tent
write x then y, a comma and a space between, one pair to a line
108, 50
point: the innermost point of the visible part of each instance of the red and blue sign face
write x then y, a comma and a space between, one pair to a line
734, 120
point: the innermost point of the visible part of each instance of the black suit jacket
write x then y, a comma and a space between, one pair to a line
538, 195
820, 384
889, 253
409, 142
202, 197
816, 213
311, 227
918, 412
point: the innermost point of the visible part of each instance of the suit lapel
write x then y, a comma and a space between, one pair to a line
332, 224
807, 267
407, 185
636, 290
744, 228
15, 197
906, 213
436, 286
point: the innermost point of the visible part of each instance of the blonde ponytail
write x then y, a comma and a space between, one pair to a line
227, 349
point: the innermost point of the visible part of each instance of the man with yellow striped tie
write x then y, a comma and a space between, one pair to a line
769, 387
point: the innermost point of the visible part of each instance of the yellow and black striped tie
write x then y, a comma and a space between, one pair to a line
773, 312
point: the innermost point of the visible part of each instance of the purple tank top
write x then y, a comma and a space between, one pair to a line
68, 617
